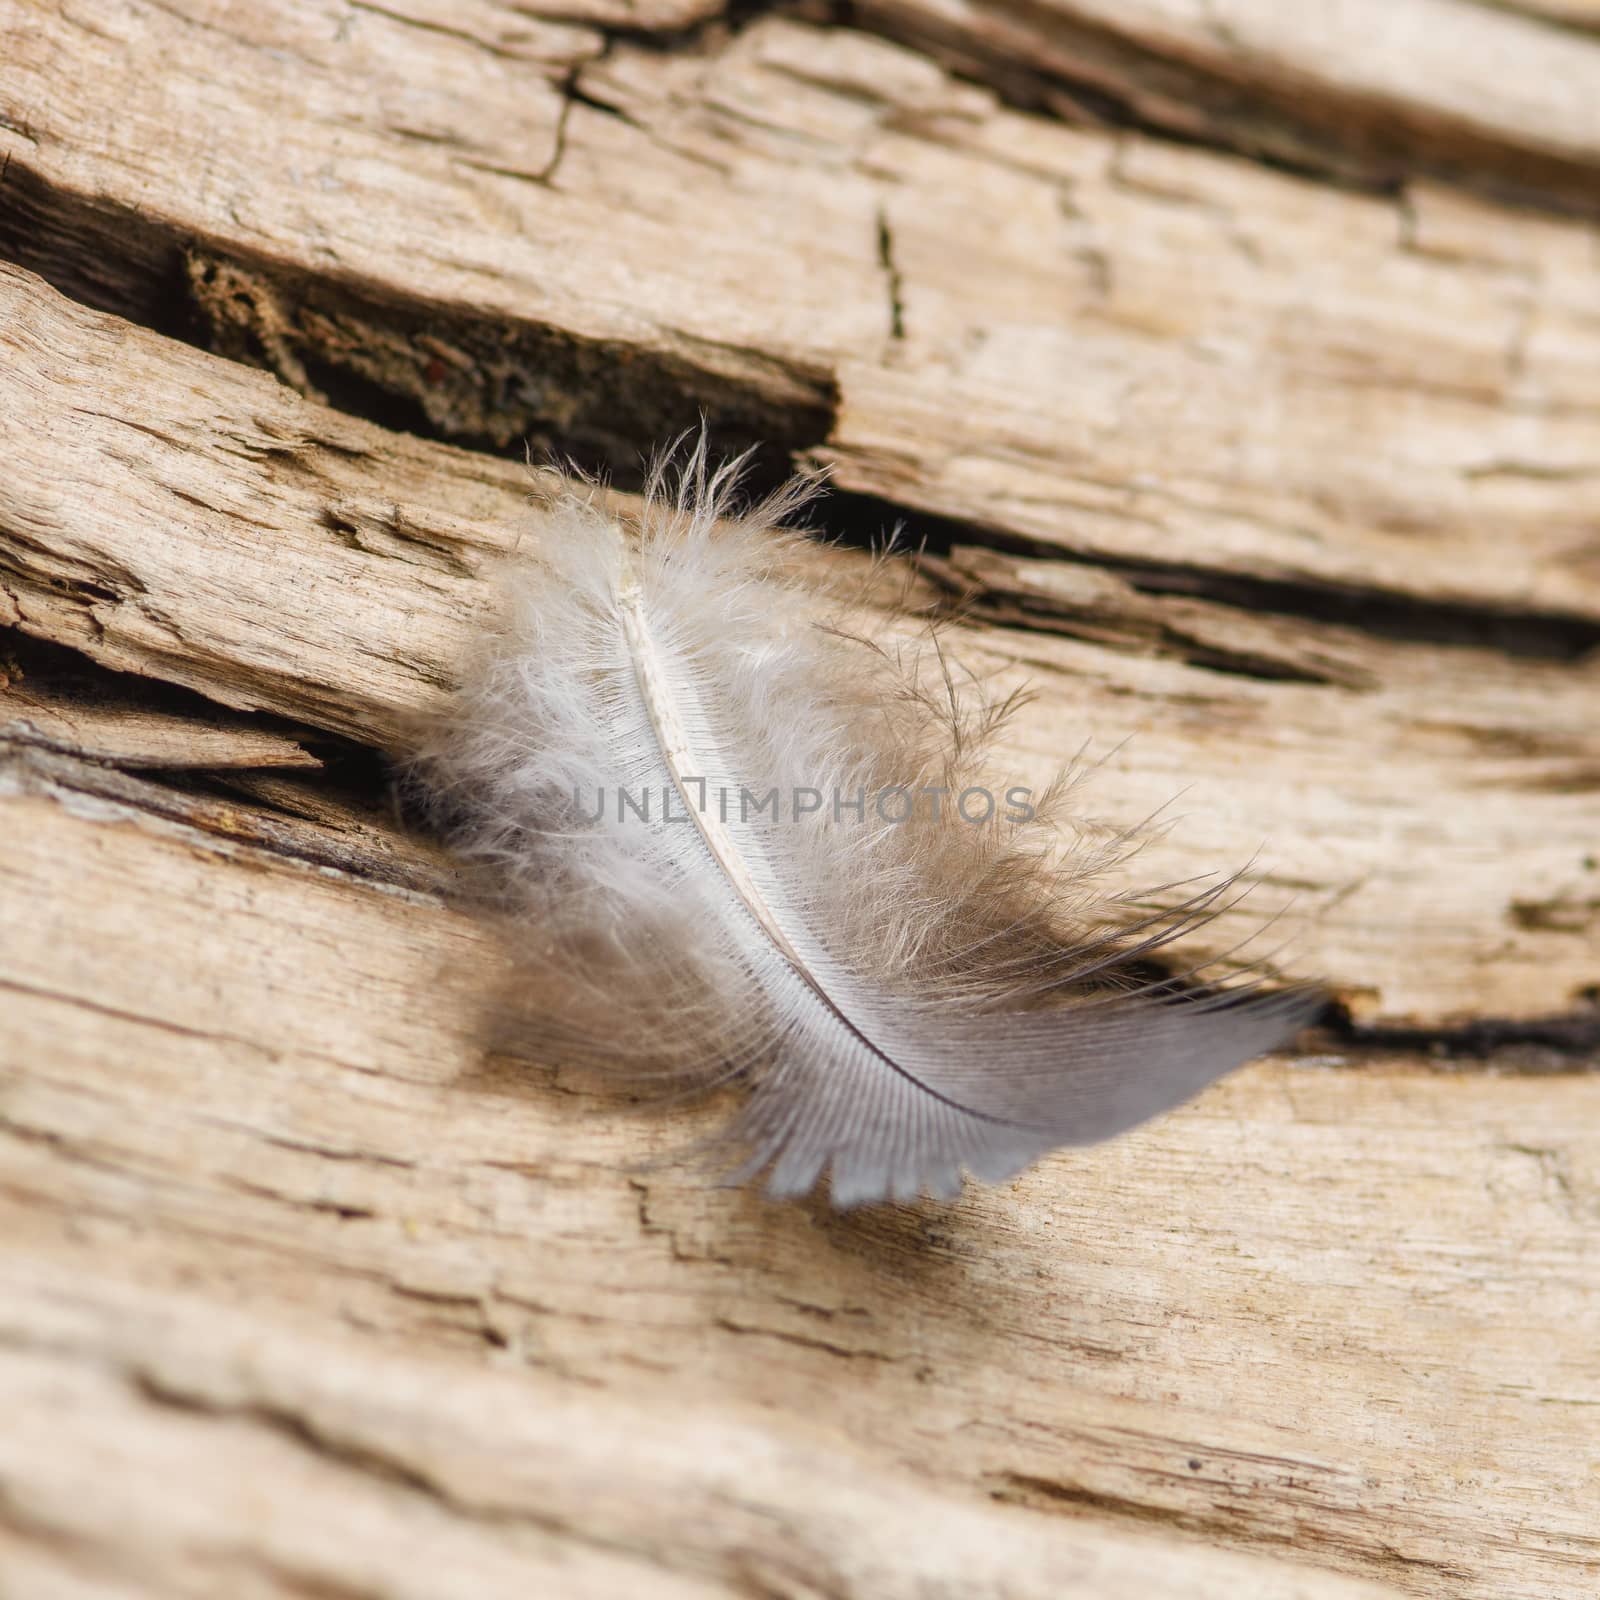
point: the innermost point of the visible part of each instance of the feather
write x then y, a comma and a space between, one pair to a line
692, 795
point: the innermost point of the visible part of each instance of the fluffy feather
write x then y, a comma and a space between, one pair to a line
907, 1000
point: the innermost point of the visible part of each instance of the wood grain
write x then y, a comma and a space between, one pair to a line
1112, 345
173, 515
1236, 371
1368, 90
1326, 1318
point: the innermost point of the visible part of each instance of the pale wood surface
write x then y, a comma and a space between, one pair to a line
177, 516
1331, 1317
305, 1291
1124, 348
1364, 88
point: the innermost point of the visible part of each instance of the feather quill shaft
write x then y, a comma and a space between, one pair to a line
675, 753
899, 993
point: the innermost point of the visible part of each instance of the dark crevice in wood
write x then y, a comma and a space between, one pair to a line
450, 372
210, 804
866, 521
1028, 1489
1563, 1044
970, 598
1556, 1044
892, 278
1101, 77
437, 370
73, 681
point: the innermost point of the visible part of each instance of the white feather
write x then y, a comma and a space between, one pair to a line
899, 996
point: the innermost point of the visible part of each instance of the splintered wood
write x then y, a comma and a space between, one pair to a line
1236, 371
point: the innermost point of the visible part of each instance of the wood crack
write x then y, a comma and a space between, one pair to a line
1525, 633
1236, 427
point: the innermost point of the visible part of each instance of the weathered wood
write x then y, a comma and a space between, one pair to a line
1576, 13
308, 1290
100, 718
1324, 1316
174, 515
1119, 347
1362, 88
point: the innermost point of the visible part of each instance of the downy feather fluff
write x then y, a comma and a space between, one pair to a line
905, 1000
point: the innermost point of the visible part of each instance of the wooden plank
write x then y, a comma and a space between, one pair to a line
313, 1283
47, 699
1121, 348
268, 1207
375, 117
1363, 88
352, 1471
1425, 811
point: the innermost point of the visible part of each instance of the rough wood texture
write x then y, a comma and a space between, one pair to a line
1363, 88
1331, 1317
1176, 360
176, 516
305, 1293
